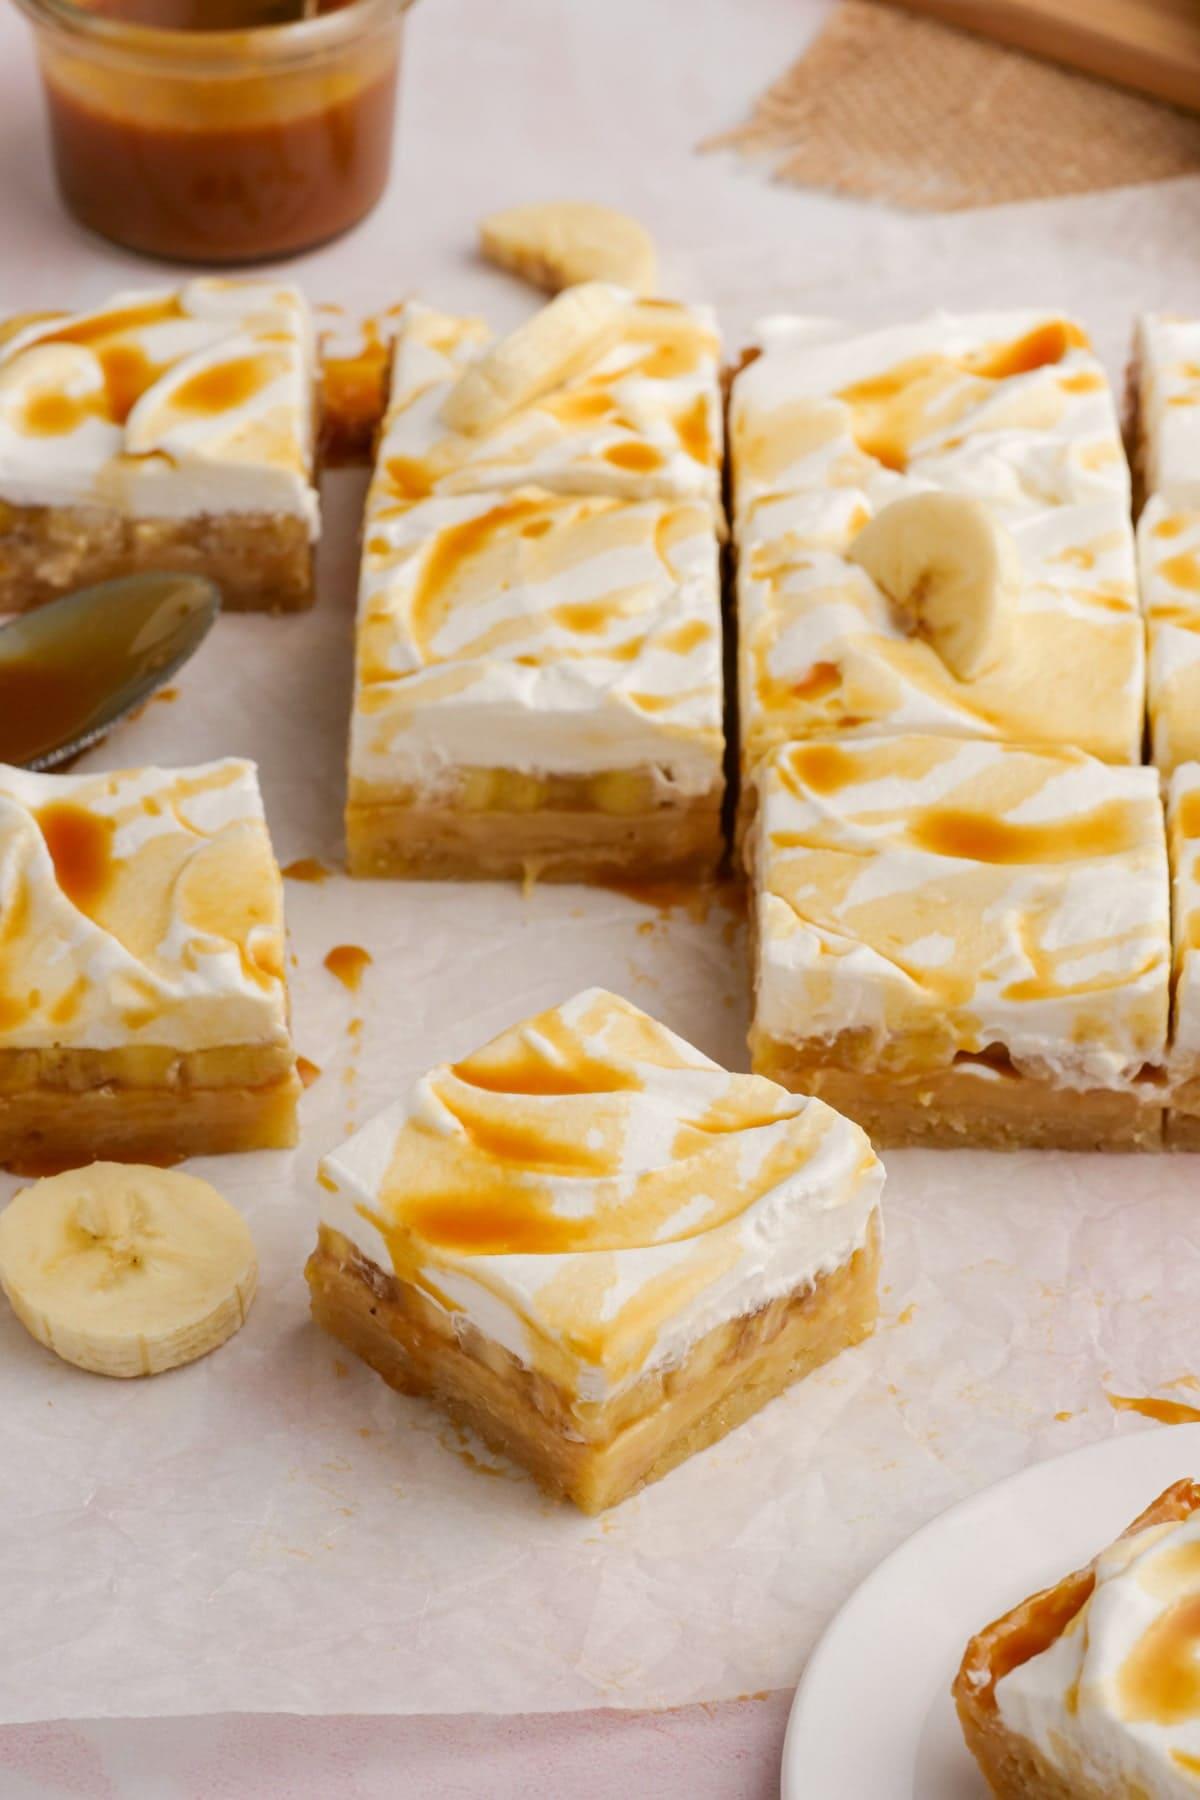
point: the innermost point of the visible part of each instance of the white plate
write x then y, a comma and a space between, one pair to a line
873, 1715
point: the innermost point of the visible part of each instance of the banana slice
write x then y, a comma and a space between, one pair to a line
952, 573
576, 326
556, 243
126, 1270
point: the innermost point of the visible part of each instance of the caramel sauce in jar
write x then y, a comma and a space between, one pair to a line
200, 131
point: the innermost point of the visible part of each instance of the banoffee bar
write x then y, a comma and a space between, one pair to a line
596, 1247
538, 688
964, 943
169, 430
143, 1004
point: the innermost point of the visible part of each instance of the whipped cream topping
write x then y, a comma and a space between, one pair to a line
1183, 830
595, 1195
828, 426
537, 632
1168, 543
642, 419
1114, 1701
169, 403
1011, 407
141, 907
924, 898
1168, 368
821, 647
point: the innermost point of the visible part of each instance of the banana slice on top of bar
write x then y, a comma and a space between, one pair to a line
952, 573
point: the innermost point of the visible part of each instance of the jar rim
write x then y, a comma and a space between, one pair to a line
207, 52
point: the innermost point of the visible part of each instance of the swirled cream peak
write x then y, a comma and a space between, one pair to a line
143, 907
1011, 407
642, 418
535, 631
924, 898
1168, 371
164, 403
595, 1195
1113, 1703
823, 648
829, 426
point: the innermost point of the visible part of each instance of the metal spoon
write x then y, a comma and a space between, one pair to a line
70, 670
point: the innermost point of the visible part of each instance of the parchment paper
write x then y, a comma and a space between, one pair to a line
272, 1528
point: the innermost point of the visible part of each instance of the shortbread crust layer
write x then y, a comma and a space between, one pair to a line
61, 1125
260, 561
965, 1107
600, 1454
555, 845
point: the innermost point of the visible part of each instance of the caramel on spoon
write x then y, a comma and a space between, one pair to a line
70, 670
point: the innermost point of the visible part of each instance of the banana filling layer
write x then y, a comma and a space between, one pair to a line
959, 941
932, 534
141, 965
598, 1246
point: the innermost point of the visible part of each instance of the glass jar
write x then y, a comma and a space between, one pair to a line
219, 146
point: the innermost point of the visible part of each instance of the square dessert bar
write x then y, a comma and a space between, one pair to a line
1183, 833
1087, 1690
960, 942
171, 430
640, 418
1167, 368
143, 1004
538, 687
596, 1247
829, 427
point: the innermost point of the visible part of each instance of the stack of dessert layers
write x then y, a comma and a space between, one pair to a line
968, 926
168, 428
539, 675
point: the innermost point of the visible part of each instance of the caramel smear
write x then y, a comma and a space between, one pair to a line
1166, 1412
668, 898
306, 868
346, 962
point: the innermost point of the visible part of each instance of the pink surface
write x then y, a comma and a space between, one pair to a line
714, 1752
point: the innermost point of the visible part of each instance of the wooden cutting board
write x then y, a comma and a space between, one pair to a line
1150, 45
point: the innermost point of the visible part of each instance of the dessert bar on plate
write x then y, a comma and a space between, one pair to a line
960, 942
538, 688
1183, 832
1168, 535
143, 1004
1089, 1690
539, 670
639, 418
828, 427
169, 429
596, 1247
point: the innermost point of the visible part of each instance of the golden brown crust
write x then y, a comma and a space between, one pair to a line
548, 844
1013, 1766
967, 1106
261, 561
599, 1455
44, 1125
